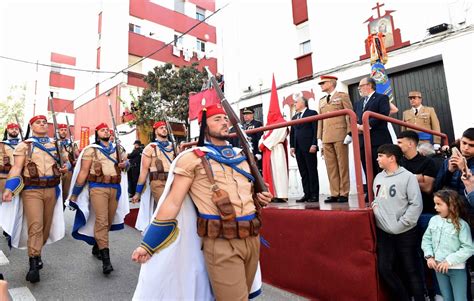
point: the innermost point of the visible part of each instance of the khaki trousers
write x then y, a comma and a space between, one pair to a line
2, 184
336, 156
104, 203
38, 205
157, 188
231, 265
66, 184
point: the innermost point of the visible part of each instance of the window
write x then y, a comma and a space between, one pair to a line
134, 28
200, 46
200, 14
55, 68
178, 40
54, 94
305, 47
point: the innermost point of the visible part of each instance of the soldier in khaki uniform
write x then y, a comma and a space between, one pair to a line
156, 160
227, 220
70, 148
424, 117
7, 146
333, 132
101, 170
36, 161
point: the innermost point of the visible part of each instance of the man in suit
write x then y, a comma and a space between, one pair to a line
303, 143
422, 116
333, 132
379, 134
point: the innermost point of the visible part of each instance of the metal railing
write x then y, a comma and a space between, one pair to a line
368, 145
355, 141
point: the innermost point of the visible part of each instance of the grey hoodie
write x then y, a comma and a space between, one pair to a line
397, 204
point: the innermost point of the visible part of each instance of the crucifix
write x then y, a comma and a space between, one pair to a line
378, 6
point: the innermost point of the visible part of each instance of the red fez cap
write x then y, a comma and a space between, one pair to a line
62, 126
101, 126
37, 117
326, 78
212, 110
158, 124
12, 126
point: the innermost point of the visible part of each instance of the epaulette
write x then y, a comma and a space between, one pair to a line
199, 152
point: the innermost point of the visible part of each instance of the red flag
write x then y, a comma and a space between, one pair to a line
195, 102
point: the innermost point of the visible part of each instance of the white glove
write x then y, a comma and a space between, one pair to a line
436, 146
348, 140
258, 156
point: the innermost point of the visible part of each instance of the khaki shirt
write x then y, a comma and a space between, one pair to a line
426, 118
334, 129
239, 188
108, 166
149, 152
9, 153
44, 162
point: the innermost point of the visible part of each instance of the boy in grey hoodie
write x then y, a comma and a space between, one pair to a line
397, 207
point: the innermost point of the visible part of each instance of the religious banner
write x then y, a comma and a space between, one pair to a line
383, 26
85, 132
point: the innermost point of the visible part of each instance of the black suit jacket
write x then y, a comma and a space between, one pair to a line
302, 136
378, 103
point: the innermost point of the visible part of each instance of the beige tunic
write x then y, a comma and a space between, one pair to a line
149, 152
239, 188
108, 166
43, 161
426, 118
9, 153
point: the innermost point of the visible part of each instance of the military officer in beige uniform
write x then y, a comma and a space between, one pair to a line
36, 161
424, 117
70, 148
333, 132
227, 219
7, 146
100, 169
156, 160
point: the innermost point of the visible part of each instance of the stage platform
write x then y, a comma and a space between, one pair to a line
319, 251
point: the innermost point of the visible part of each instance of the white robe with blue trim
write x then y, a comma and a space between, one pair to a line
84, 221
178, 272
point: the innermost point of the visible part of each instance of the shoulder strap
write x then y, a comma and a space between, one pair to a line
207, 168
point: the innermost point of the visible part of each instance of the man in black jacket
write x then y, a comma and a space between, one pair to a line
379, 134
304, 144
134, 171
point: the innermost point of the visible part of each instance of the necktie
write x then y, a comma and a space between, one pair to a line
298, 116
416, 112
366, 99
328, 98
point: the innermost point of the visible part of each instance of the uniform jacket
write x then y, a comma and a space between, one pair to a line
377, 103
334, 129
304, 135
254, 138
426, 118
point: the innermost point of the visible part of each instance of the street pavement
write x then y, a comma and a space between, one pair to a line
70, 272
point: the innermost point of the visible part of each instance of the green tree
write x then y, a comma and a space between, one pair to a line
167, 94
13, 104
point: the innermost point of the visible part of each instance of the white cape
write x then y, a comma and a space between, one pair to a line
14, 222
145, 212
178, 272
83, 227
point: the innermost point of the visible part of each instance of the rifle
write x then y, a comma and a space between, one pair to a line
56, 132
117, 140
170, 133
19, 127
259, 184
72, 154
